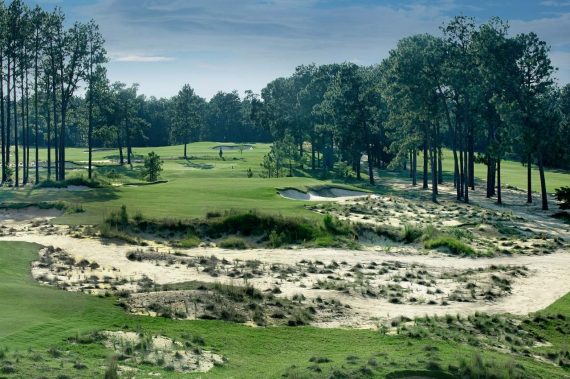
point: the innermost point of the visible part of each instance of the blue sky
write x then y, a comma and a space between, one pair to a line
242, 44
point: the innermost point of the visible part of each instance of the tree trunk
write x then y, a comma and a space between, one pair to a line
415, 168
425, 179
2, 120
55, 129
529, 179
543, 184
8, 113
16, 141
90, 118
119, 142
24, 128
313, 151
467, 178
499, 192
411, 164
185, 150
439, 165
48, 127
471, 171
370, 166
433, 161
62, 135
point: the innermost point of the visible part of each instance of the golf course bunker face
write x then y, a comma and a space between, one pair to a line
323, 194
232, 147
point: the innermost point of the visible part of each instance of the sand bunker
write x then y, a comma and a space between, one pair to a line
324, 194
28, 213
232, 147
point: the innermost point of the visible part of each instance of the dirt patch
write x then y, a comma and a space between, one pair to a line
324, 194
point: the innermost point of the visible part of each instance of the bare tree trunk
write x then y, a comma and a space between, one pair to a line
2, 119
8, 112
313, 151
48, 127
529, 179
499, 192
471, 170
425, 176
439, 165
467, 178
16, 141
55, 128
370, 165
433, 161
542, 184
415, 168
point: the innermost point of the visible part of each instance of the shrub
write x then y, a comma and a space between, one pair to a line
190, 242
152, 167
77, 181
111, 372
563, 196
411, 233
233, 243
454, 245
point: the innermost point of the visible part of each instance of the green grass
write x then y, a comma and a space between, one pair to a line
202, 184
512, 173
454, 245
207, 183
39, 318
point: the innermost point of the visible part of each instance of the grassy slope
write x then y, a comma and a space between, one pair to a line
36, 317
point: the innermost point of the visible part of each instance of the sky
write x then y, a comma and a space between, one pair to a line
225, 45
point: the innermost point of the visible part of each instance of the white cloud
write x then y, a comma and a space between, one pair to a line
140, 58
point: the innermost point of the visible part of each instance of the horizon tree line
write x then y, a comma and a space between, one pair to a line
475, 89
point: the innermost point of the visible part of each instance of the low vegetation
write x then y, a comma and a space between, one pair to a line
232, 230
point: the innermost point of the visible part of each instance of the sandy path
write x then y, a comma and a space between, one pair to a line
548, 280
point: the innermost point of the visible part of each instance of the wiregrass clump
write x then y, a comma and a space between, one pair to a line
266, 229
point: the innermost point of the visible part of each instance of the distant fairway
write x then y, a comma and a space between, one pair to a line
207, 182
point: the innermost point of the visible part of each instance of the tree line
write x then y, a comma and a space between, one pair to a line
475, 89
43, 67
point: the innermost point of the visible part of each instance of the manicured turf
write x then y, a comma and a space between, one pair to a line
35, 318
206, 182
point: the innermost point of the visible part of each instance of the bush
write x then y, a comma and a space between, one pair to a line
411, 233
563, 196
112, 369
190, 242
152, 167
234, 243
77, 181
454, 245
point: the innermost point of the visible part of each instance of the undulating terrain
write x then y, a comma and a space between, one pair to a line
211, 273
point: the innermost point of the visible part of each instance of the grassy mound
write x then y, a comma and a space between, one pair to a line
231, 228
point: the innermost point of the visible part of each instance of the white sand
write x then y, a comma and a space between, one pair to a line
336, 194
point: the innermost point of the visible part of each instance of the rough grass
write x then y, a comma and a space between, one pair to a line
270, 230
454, 245
234, 243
